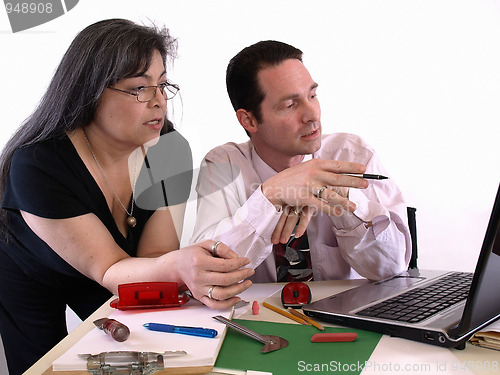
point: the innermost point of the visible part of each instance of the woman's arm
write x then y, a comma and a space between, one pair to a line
85, 243
162, 232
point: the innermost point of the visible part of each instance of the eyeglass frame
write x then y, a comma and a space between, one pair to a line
165, 85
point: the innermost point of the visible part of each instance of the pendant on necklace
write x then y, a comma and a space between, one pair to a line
131, 221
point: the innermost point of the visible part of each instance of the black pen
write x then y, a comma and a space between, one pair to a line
367, 176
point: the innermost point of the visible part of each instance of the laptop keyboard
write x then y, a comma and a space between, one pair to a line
420, 303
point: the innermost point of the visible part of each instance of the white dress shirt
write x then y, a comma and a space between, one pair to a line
233, 209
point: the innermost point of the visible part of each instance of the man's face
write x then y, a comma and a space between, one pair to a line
291, 112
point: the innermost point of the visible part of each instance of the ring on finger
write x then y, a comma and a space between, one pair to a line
214, 248
320, 191
294, 210
210, 292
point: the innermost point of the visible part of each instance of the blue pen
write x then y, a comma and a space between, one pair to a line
193, 331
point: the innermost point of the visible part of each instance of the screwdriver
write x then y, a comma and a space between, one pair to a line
118, 331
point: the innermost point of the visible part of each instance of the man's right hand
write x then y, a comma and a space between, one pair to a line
295, 190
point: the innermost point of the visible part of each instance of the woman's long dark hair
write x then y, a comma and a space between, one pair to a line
99, 56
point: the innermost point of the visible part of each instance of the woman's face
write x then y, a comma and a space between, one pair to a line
124, 121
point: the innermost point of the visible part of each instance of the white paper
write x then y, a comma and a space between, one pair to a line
259, 293
202, 351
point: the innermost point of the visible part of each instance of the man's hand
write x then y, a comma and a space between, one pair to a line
287, 222
303, 190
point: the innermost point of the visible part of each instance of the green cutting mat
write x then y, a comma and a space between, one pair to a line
301, 356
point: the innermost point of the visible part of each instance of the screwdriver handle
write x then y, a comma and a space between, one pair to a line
118, 331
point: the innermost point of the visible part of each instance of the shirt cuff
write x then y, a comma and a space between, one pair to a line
261, 214
366, 211
370, 211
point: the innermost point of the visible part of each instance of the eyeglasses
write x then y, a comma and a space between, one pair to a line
147, 93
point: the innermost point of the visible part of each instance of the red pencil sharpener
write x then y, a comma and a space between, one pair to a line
295, 294
149, 295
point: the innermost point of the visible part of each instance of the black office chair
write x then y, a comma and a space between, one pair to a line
412, 225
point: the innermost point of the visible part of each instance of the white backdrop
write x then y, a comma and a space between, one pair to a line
420, 80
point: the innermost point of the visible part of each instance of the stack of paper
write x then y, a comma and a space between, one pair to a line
201, 351
488, 337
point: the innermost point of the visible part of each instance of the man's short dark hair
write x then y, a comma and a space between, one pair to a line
241, 74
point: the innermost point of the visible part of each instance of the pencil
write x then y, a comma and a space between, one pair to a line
284, 313
298, 314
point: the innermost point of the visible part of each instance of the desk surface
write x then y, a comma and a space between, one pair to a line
392, 355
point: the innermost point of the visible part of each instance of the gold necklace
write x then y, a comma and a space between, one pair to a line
131, 221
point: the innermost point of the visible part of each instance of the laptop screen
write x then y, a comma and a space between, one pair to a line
484, 303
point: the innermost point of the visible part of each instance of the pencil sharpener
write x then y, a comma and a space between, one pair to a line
295, 294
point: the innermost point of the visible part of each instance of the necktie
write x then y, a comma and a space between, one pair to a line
293, 260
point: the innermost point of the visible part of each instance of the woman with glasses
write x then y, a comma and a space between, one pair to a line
72, 226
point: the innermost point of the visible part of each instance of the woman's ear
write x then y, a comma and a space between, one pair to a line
247, 120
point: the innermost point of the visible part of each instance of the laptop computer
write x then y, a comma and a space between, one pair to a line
409, 305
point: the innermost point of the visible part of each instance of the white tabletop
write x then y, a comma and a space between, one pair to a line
391, 356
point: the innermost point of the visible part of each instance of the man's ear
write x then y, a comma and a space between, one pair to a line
247, 120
